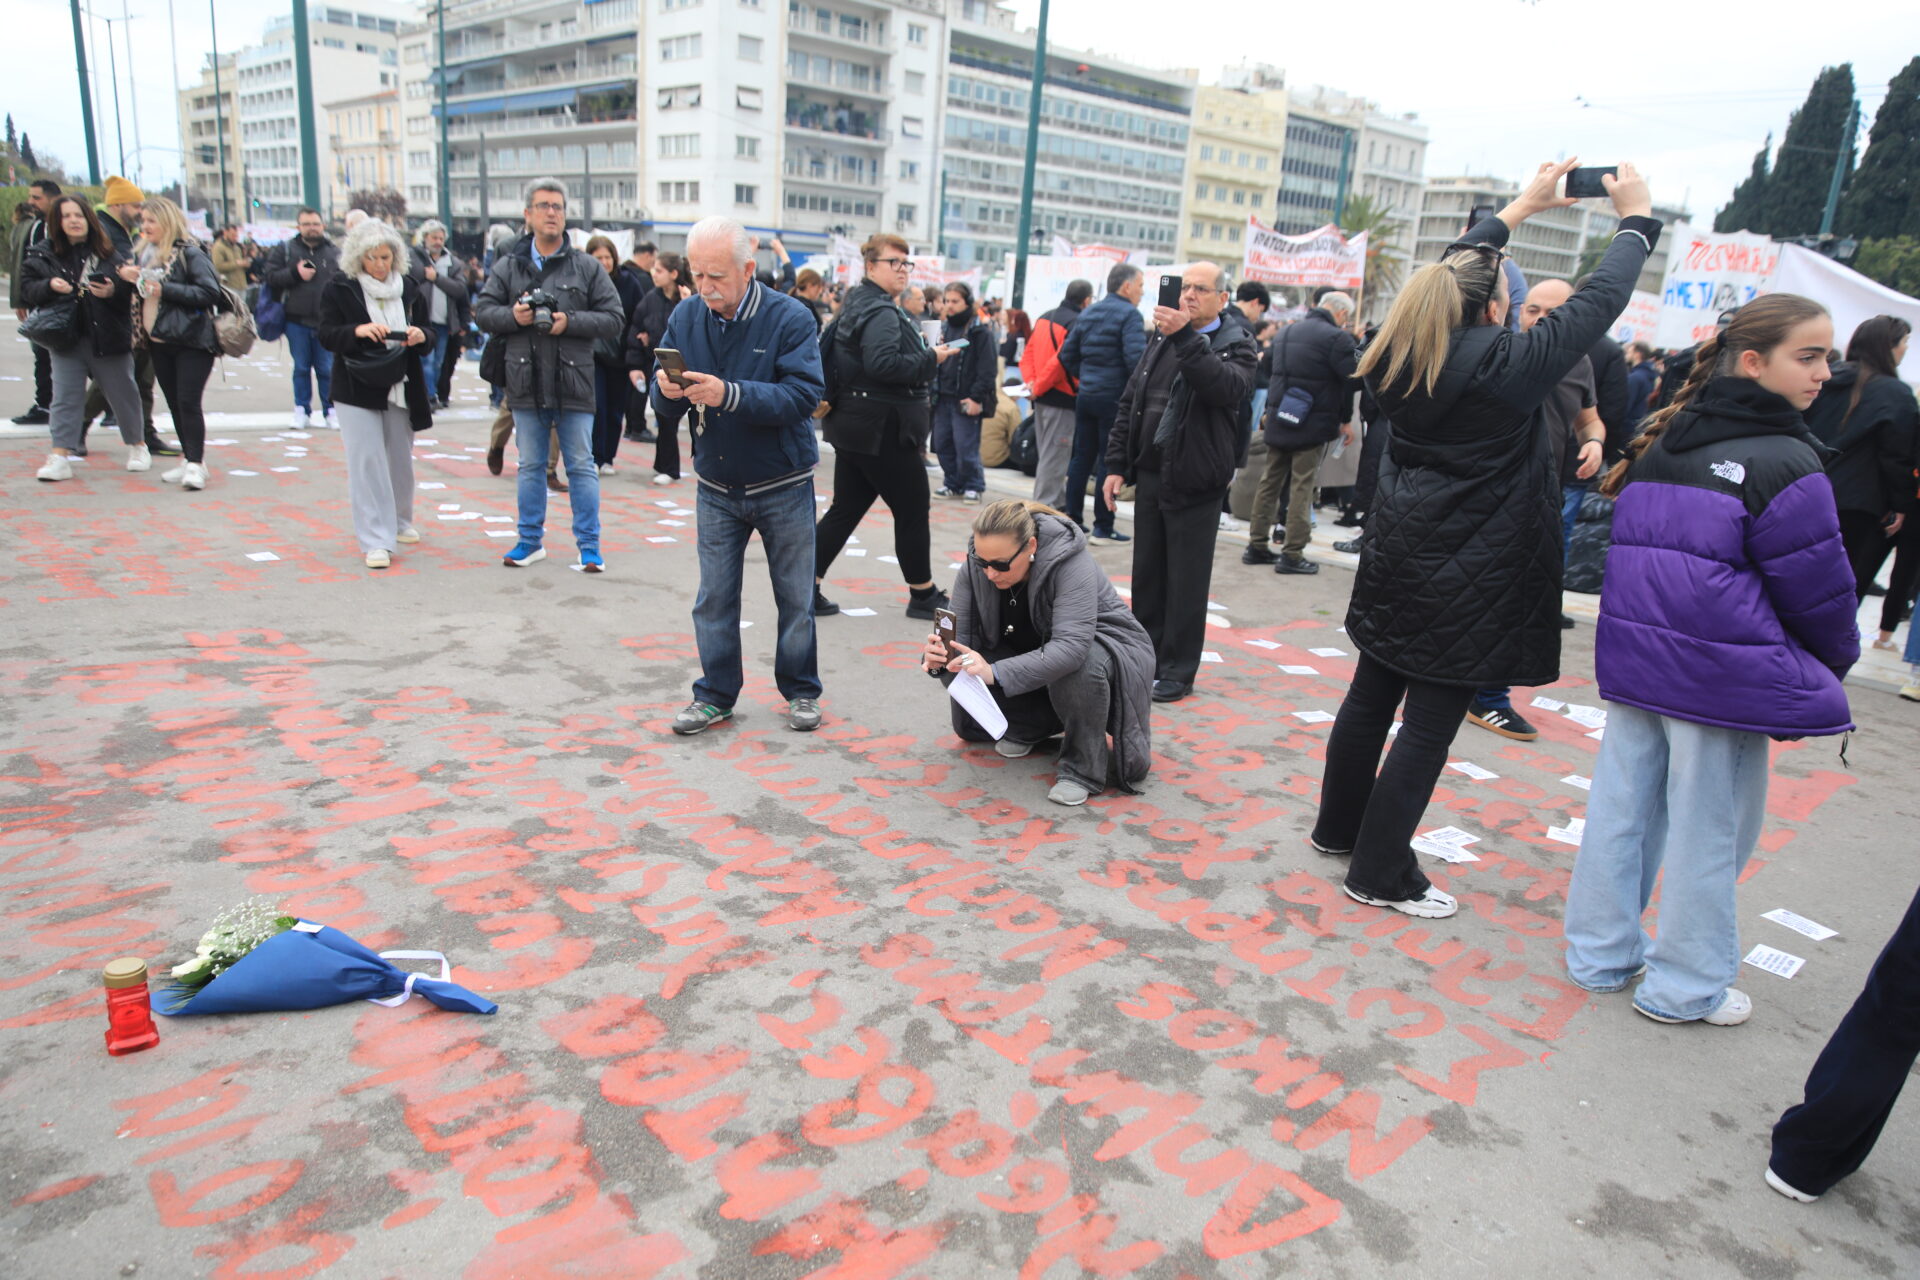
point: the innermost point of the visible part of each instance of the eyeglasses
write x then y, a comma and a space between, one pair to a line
1000, 566
893, 262
547, 206
1197, 289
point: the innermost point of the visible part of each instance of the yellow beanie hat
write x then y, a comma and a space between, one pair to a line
120, 191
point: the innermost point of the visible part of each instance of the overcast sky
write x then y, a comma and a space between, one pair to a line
1687, 89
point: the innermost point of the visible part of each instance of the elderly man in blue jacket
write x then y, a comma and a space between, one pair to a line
752, 384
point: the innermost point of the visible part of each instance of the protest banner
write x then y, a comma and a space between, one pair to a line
268, 234
1848, 296
1639, 321
1319, 257
1708, 273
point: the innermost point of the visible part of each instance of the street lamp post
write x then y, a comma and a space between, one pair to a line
86, 99
446, 159
303, 97
219, 115
1033, 151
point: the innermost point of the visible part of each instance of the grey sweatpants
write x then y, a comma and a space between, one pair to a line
1053, 433
67, 416
379, 448
1078, 707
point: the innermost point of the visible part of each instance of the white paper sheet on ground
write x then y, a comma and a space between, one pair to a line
1575, 780
502, 533
852, 541
674, 524
449, 506
458, 515
856, 613
1548, 704
1328, 653
1472, 770
1774, 961
416, 440
665, 502
856, 551
243, 473
498, 519
261, 555
662, 538
1598, 734
1125, 591
888, 559
430, 484
223, 442
283, 468
1312, 717
1210, 656
1444, 852
1799, 923
1587, 717
977, 701
1299, 669
744, 624
1572, 833
1451, 835
1264, 644
1217, 608
1393, 730
1215, 620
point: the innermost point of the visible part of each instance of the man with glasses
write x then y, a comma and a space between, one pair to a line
1178, 437
298, 271
752, 383
550, 304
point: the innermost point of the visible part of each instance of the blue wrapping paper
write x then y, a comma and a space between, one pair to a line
312, 967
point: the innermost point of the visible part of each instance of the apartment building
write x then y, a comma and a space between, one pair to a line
1546, 246
1234, 152
1112, 157
354, 53
1341, 146
364, 135
211, 161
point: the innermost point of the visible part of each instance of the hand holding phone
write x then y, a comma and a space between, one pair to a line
1170, 292
1585, 184
946, 625
674, 365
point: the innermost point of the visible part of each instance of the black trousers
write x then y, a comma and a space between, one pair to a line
1868, 547
1857, 1077
1376, 816
181, 373
1172, 572
42, 378
610, 387
895, 476
637, 408
443, 385
1905, 576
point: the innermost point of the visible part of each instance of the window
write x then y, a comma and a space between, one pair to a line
750, 48
916, 82
910, 168
1260, 163
670, 5
678, 97
916, 33
1206, 153
680, 193
1233, 235
749, 4
748, 99
1226, 156
745, 148
680, 48
1245, 158
1199, 229
909, 214
1202, 192
679, 146
1213, 231
1239, 197
746, 194
910, 126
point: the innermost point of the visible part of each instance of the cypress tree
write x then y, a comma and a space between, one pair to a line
1883, 200
1797, 191
26, 153
1747, 208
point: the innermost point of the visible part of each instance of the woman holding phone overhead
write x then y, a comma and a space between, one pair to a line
1038, 623
1459, 580
880, 372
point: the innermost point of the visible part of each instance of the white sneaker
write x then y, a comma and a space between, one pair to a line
1911, 691
138, 459
193, 476
408, 534
332, 421
606, 468
1735, 1009
1787, 1189
299, 420
1431, 905
660, 477
379, 559
57, 467
172, 475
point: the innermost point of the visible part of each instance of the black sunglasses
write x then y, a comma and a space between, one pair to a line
998, 566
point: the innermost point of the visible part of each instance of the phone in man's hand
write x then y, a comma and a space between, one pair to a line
1170, 292
1585, 184
675, 366
946, 625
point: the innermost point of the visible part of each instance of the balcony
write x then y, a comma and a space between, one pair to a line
484, 46
385, 138
467, 127
864, 36
838, 120
876, 87
834, 175
622, 68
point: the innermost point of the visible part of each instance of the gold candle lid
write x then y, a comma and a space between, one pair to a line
127, 971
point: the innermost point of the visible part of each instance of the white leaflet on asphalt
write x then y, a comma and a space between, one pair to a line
1548, 704
223, 442
449, 506
856, 551
744, 624
856, 613
416, 440
1444, 852
1587, 717
662, 538
1215, 620
1774, 961
498, 519
1218, 608
673, 524
977, 701
243, 473
1451, 835
1597, 734
283, 468
1297, 669
1210, 656
1328, 653
501, 533
1799, 924
261, 555
1575, 780
1572, 833
1312, 717
888, 559
1472, 770
1265, 644
1393, 730
428, 484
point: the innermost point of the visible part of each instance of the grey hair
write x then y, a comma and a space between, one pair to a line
554, 185
368, 234
1226, 277
726, 229
354, 217
427, 228
1120, 275
1337, 302
500, 234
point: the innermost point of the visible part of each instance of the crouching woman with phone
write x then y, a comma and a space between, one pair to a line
1038, 623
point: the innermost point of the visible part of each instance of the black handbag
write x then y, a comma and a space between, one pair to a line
378, 365
54, 325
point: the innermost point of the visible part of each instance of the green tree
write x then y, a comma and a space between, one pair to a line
13, 139
1746, 210
26, 153
1364, 213
1893, 261
1884, 197
383, 203
1803, 169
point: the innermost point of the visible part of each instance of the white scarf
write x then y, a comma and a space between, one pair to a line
384, 302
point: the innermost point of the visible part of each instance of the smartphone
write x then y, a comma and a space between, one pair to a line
1170, 292
675, 365
100, 277
1479, 214
946, 625
1585, 184
958, 344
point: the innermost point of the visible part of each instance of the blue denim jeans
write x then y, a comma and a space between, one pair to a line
303, 344
1092, 424
956, 442
784, 521
1676, 795
434, 356
1570, 499
530, 427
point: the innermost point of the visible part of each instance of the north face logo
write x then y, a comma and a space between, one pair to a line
1731, 472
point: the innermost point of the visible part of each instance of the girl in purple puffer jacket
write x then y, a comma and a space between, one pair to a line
1727, 621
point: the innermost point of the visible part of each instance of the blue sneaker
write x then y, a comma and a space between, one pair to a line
590, 562
524, 554
1108, 535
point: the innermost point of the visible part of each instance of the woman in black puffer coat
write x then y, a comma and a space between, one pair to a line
1459, 580
179, 291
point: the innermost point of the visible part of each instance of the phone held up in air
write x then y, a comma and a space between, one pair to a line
675, 366
1170, 292
1585, 184
946, 624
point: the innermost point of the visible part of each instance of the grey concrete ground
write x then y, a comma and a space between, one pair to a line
859, 1004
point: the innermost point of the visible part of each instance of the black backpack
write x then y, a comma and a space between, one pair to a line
1023, 451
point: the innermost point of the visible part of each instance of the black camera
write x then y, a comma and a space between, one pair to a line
542, 304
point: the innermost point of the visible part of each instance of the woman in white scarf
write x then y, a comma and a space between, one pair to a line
370, 303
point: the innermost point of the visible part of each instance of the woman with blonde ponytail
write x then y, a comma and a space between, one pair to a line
1727, 620
1459, 581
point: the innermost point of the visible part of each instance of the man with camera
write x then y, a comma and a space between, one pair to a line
1177, 438
298, 270
743, 362
548, 304
1309, 402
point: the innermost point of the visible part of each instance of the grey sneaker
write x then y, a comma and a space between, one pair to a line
1071, 794
803, 715
697, 717
1013, 750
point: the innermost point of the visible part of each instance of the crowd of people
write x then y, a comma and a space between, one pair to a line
1758, 483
